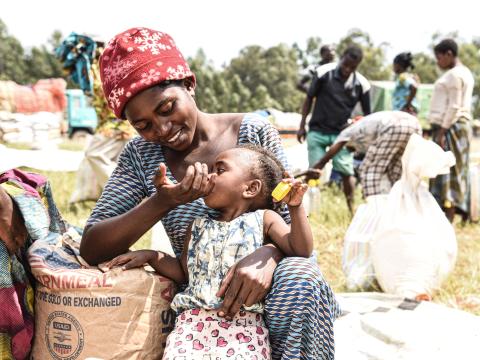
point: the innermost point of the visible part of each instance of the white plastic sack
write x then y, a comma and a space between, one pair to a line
100, 160
415, 247
357, 260
474, 193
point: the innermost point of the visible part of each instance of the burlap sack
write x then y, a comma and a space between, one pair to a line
84, 312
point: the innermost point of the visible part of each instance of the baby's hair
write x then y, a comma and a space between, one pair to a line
446, 45
405, 60
353, 52
268, 169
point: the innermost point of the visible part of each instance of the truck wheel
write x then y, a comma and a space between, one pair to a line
81, 136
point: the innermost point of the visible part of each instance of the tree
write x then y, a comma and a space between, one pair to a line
311, 55
469, 55
28, 67
12, 65
425, 68
275, 69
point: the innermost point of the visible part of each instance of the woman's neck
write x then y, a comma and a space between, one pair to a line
206, 128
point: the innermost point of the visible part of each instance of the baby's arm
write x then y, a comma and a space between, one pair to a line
162, 263
296, 239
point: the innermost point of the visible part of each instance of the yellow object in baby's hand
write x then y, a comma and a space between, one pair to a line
281, 190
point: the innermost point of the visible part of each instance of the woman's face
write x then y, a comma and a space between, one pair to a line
445, 61
397, 68
164, 115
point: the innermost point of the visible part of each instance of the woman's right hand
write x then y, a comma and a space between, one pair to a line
196, 183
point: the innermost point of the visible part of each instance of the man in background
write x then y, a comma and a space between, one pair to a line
336, 88
327, 55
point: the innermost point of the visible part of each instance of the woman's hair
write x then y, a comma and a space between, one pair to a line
405, 60
446, 45
267, 168
353, 52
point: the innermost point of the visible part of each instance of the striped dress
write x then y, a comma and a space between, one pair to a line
300, 308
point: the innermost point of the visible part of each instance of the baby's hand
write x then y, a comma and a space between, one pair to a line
132, 259
295, 195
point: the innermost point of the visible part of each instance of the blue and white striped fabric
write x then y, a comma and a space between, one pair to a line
300, 307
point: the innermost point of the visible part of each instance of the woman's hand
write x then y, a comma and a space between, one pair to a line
248, 281
296, 193
196, 183
133, 259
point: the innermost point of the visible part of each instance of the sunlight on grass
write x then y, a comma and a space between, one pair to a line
461, 290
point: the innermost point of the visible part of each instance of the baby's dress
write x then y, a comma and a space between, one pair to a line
199, 332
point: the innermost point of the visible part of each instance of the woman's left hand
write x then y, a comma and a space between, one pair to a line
248, 281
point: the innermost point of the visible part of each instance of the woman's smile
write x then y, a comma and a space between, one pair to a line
175, 137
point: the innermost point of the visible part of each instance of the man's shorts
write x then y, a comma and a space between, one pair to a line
318, 144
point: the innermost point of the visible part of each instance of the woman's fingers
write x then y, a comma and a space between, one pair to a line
226, 282
188, 179
205, 180
197, 179
255, 295
133, 263
121, 259
231, 298
239, 300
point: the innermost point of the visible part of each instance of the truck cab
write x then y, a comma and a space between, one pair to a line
81, 117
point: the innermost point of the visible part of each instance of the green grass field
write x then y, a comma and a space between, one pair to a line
461, 290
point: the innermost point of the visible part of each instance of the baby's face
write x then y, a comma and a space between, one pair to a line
232, 168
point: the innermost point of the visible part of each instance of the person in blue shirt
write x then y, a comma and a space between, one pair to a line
405, 84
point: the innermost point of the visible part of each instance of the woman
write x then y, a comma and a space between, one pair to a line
450, 116
382, 137
147, 81
405, 84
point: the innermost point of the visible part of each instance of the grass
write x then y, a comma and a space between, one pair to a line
72, 145
461, 290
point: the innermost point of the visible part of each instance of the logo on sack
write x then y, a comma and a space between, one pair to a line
64, 336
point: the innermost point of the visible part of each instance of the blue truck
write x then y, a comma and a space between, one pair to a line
81, 116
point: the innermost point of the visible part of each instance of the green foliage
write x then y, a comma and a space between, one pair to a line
311, 55
27, 67
257, 78
469, 54
12, 65
425, 68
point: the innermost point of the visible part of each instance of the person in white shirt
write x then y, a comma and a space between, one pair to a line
382, 137
450, 117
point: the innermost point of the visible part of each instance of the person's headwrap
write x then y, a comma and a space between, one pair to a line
136, 60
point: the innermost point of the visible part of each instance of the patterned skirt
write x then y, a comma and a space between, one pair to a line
202, 334
453, 189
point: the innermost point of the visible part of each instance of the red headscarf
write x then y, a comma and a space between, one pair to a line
137, 59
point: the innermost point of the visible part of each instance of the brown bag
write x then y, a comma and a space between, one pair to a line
84, 312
